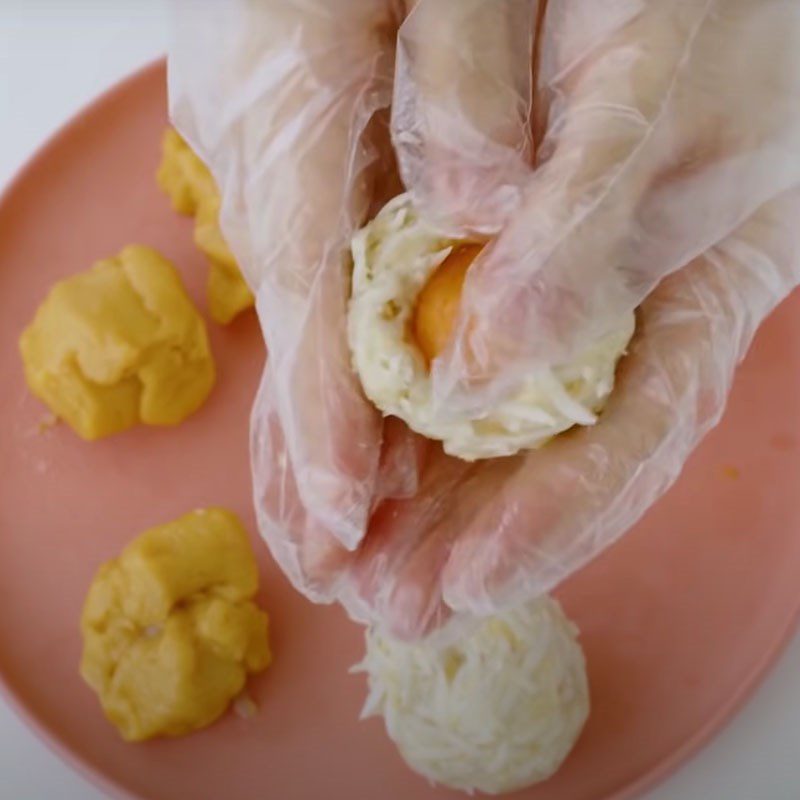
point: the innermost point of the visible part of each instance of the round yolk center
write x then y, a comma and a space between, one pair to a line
437, 305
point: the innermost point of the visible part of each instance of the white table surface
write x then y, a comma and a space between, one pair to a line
55, 55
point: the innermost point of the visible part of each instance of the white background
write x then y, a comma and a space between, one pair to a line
55, 55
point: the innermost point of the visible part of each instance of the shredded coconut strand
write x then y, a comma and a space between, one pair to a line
393, 258
497, 711
245, 706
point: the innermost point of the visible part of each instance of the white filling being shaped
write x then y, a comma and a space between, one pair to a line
393, 258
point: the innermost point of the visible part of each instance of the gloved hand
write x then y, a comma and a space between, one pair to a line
671, 128
670, 135
668, 124
284, 101
479, 537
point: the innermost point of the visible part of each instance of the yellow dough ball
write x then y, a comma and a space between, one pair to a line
119, 344
170, 629
437, 304
226, 291
192, 190
182, 175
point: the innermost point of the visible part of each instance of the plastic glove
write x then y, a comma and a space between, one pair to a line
461, 106
668, 124
283, 100
672, 139
465, 541
480, 537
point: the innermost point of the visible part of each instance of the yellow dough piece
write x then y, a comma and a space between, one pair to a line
182, 175
226, 291
192, 190
119, 344
170, 629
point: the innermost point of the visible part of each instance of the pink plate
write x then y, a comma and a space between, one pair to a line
679, 621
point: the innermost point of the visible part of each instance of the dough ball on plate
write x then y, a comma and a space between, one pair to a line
407, 279
496, 711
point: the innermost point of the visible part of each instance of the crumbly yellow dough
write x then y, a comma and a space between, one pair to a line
191, 188
170, 629
119, 344
226, 290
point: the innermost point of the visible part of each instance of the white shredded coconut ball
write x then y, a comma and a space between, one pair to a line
497, 711
393, 258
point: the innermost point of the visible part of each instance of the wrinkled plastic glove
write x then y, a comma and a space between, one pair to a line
467, 538
283, 101
667, 179
287, 104
668, 124
480, 537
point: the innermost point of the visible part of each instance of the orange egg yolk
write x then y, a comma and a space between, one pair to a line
437, 305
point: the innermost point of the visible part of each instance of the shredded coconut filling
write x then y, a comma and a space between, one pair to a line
499, 710
393, 258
